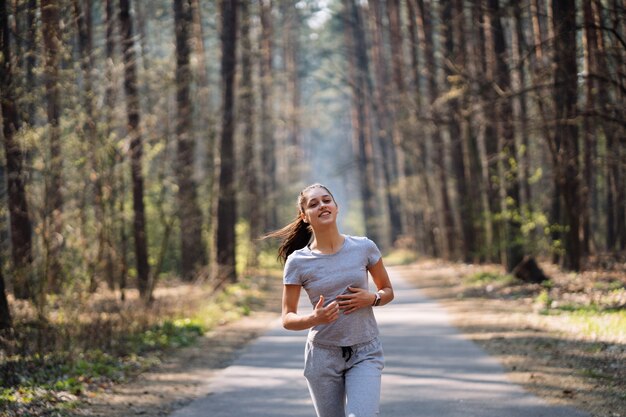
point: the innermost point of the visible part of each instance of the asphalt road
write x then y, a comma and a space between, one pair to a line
430, 371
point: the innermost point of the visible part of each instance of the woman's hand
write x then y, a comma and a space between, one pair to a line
357, 298
325, 315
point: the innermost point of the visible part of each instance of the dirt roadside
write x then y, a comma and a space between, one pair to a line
557, 364
182, 374
561, 369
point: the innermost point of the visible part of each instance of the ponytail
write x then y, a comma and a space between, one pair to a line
295, 235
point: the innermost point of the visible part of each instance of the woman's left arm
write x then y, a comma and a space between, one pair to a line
359, 297
382, 281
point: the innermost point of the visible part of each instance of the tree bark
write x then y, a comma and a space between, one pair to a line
19, 217
136, 150
54, 196
193, 252
226, 205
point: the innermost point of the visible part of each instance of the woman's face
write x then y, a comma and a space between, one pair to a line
319, 207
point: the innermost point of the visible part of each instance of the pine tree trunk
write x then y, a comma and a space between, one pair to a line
292, 47
19, 217
589, 124
384, 107
31, 57
361, 113
116, 260
491, 141
446, 239
54, 196
266, 118
5, 311
249, 161
226, 205
505, 131
193, 253
453, 18
90, 137
518, 74
565, 141
423, 216
136, 151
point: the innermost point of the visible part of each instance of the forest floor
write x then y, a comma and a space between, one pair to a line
545, 353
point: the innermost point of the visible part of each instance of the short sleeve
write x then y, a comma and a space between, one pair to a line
373, 253
290, 273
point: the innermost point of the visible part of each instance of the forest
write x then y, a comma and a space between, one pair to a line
148, 141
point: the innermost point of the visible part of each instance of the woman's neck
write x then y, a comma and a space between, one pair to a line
327, 241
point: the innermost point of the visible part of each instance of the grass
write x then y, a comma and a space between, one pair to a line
591, 322
487, 277
400, 257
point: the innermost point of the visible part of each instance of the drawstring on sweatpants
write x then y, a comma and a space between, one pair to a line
346, 351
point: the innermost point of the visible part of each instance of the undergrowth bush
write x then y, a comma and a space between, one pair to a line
91, 343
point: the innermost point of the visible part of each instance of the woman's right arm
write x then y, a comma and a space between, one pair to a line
294, 321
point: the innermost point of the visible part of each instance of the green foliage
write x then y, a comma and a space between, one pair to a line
544, 301
400, 257
485, 278
169, 333
54, 381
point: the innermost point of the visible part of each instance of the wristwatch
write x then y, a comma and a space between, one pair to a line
377, 300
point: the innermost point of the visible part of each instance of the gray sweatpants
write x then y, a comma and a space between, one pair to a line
344, 381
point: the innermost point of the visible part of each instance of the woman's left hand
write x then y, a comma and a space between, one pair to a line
357, 298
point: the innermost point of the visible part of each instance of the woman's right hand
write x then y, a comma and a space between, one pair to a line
325, 315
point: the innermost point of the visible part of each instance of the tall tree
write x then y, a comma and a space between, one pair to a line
454, 65
136, 150
5, 312
358, 64
418, 155
247, 112
611, 109
20, 222
193, 252
54, 195
507, 150
564, 143
93, 142
446, 223
292, 48
266, 116
385, 106
31, 57
116, 260
227, 203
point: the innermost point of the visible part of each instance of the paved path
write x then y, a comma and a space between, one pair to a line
431, 371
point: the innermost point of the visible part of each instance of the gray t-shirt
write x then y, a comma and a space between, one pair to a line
331, 275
